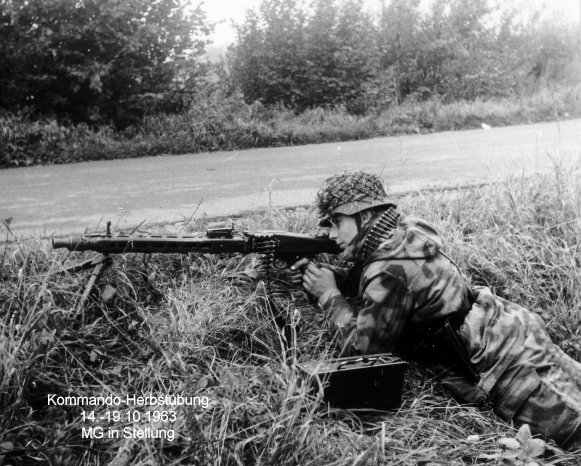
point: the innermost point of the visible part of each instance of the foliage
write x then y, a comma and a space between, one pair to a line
549, 46
331, 53
301, 56
449, 52
198, 325
98, 60
115, 62
219, 121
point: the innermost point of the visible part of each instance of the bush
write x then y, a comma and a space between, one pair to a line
226, 122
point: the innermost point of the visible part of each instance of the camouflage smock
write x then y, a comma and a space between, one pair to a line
408, 284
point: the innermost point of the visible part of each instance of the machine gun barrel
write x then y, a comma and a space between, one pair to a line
151, 244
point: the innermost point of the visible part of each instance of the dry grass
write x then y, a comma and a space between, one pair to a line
201, 326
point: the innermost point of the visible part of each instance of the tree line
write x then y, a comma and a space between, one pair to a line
114, 61
324, 52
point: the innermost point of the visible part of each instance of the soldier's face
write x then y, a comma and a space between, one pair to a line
343, 230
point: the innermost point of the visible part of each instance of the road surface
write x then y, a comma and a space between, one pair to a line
58, 199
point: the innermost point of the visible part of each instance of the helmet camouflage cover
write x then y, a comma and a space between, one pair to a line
349, 193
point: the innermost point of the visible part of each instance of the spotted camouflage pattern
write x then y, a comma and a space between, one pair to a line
349, 193
408, 285
348, 188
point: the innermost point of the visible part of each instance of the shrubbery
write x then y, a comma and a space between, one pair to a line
228, 123
327, 52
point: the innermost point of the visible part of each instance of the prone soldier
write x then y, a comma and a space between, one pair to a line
416, 303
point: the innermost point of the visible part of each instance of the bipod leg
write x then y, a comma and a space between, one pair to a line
100, 267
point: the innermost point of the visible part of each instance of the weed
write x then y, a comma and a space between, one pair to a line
228, 123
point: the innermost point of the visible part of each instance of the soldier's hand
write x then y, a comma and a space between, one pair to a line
317, 280
295, 275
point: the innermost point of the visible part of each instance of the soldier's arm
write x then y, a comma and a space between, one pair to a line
341, 273
295, 274
380, 323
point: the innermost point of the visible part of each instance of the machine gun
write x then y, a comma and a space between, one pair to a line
279, 249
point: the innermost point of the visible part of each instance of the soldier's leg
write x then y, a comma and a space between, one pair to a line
553, 410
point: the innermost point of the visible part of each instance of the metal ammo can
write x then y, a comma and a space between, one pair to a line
359, 382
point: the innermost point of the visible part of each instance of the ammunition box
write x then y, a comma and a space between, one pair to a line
359, 382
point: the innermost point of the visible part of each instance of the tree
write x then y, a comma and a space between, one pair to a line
547, 47
400, 43
266, 62
97, 60
332, 52
304, 55
457, 49
342, 54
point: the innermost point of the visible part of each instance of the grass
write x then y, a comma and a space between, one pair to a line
201, 326
228, 123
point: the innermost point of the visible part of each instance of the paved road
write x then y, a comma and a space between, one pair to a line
57, 199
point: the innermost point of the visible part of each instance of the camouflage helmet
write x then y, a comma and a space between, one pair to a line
349, 193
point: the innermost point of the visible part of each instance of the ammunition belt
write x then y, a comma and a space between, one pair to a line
380, 231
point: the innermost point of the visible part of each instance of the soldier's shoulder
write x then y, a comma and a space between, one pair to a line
413, 238
410, 222
389, 269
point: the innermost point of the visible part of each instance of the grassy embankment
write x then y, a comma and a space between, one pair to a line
198, 326
228, 123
